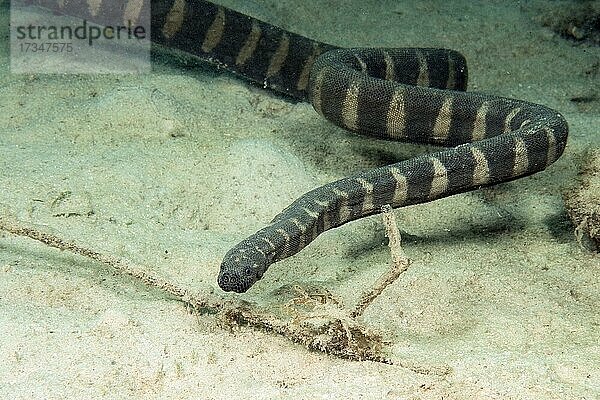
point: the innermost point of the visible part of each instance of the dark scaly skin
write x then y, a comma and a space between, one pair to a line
539, 131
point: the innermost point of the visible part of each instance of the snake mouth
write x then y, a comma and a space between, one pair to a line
232, 282
229, 283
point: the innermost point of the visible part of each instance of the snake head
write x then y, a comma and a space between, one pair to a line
242, 266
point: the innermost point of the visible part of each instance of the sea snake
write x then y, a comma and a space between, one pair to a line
406, 94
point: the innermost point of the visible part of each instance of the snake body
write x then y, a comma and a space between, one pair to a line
406, 94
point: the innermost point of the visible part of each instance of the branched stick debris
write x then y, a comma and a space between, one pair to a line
400, 263
330, 335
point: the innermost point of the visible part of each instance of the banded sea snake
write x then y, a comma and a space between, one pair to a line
405, 94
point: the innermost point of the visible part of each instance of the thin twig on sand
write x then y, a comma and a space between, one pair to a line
400, 263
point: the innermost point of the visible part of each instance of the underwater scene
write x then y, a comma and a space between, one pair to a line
307, 200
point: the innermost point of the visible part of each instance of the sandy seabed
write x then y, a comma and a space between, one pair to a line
170, 169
